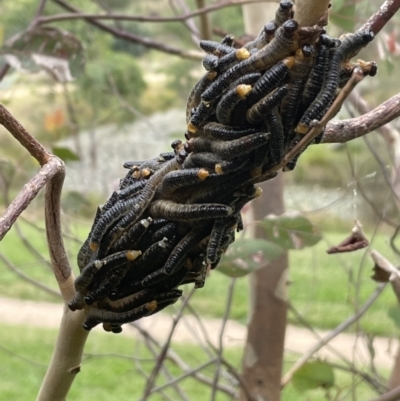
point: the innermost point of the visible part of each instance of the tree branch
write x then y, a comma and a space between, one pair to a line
130, 37
36, 149
123, 17
25, 197
67, 356
309, 12
347, 130
392, 395
382, 16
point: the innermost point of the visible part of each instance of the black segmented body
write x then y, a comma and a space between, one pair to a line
174, 215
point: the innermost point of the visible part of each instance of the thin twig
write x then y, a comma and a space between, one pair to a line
347, 130
36, 149
187, 374
18, 355
175, 358
131, 37
38, 14
331, 335
360, 104
381, 17
28, 245
357, 76
28, 279
304, 322
372, 149
124, 17
89, 356
168, 377
155, 353
392, 395
233, 371
189, 23
221, 337
164, 350
25, 197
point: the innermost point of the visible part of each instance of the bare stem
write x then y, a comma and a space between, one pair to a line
382, 16
36, 149
25, 197
309, 12
204, 22
347, 130
67, 356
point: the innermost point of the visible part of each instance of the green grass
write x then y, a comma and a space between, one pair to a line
116, 376
325, 289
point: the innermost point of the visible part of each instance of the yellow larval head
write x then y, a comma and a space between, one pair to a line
203, 174
191, 128
242, 54
258, 192
289, 61
218, 169
256, 172
302, 129
132, 255
151, 306
94, 246
146, 172
212, 75
243, 90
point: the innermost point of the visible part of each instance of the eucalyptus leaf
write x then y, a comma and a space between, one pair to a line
57, 52
65, 154
290, 230
247, 255
313, 375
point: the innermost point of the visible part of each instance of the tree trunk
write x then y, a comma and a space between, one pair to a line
263, 355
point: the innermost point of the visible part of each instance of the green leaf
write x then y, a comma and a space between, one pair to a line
313, 375
290, 231
65, 154
247, 255
45, 48
343, 15
394, 314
